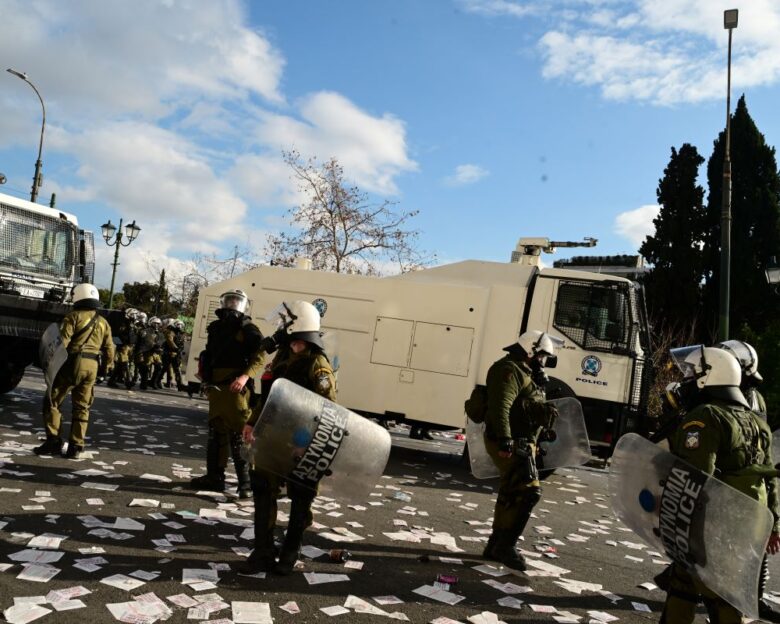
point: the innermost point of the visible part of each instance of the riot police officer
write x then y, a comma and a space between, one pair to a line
85, 334
301, 359
127, 336
172, 351
232, 357
718, 434
516, 416
748, 361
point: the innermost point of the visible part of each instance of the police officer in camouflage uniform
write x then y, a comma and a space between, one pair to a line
301, 359
748, 361
173, 347
516, 416
85, 334
124, 353
232, 357
720, 436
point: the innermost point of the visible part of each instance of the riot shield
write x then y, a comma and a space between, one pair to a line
51, 353
482, 466
571, 446
713, 530
313, 442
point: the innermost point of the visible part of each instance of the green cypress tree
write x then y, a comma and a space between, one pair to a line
755, 228
673, 285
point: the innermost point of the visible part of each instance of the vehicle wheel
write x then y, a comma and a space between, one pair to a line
9, 379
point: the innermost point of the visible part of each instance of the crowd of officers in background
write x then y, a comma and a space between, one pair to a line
149, 352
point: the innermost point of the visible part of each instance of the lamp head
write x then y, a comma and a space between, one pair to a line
108, 230
730, 18
132, 231
18, 74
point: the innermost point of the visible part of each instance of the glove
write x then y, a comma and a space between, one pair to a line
548, 435
506, 445
552, 416
269, 344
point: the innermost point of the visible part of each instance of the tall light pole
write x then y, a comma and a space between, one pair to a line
108, 229
730, 19
37, 180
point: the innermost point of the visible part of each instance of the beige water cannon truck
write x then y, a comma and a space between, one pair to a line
411, 347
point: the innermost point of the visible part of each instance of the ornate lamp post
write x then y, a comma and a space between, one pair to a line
109, 229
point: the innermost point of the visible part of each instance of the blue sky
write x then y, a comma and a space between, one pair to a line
495, 119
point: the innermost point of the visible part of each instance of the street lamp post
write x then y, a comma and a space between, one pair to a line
37, 180
773, 274
108, 229
730, 19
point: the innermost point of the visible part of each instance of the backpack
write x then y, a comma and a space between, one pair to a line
477, 404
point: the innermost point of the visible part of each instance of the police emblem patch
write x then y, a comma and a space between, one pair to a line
692, 440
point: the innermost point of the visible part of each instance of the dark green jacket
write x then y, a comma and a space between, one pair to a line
516, 406
733, 444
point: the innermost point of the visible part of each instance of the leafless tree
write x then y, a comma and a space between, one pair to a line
340, 229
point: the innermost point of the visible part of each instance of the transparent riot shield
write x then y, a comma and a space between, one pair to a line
313, 442
51, 353
571, 446
482, 466
714, 531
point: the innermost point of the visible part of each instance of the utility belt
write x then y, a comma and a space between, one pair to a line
84, 356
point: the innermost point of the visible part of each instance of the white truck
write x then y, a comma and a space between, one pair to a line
43, 254
411, 347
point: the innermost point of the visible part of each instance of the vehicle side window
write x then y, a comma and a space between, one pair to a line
594, 316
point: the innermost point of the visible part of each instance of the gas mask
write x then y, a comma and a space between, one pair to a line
680, 396
538, 374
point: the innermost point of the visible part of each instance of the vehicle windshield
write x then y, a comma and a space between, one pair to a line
34, 243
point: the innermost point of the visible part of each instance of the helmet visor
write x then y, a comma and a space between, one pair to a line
746, 357
232, 301
681, 354
280, 316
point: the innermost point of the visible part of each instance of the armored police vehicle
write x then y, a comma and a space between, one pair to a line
43, 254
411, 347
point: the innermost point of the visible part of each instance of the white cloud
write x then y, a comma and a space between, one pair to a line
173, 113
466, 174
636, 224
372, 150
493, 8
663, 52
139, 58
157, 177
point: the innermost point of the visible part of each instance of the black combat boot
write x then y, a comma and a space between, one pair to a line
299, 520
488, 552
214, 479
52, 446
74, 451
241, 465
504, 550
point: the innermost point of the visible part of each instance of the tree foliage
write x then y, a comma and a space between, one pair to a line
675, 249
339, 228
755, 227
144, 296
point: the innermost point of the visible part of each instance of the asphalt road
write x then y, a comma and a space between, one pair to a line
145, 445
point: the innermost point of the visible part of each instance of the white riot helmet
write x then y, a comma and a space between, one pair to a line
155, 322
305, 323
140, 318
235, 300
86, 296
166, 323
179, 324
746, 356
539, 343
709, 366
131, 314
